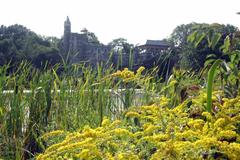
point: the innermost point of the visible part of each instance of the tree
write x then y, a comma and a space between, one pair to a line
190, 56
92, 38
19, 43
121, 44
180, 34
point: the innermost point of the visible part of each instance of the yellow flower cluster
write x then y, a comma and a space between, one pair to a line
140, 70
157, 132
128, 75
53, 134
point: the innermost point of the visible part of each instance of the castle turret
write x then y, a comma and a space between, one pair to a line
67, 35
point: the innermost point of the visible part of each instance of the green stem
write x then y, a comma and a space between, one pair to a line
211, 74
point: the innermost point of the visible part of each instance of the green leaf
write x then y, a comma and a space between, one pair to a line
211, 56
199, 39
209, 61
233, 57
226, 45
211, 74
1, 111
56, 76
192, 37
209, 42
225, 67
214, 40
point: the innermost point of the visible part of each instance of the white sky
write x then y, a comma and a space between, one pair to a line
135, 20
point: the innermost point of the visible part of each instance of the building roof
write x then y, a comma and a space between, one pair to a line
157, 43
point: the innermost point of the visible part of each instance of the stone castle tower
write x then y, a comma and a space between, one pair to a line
67, 35
81, 49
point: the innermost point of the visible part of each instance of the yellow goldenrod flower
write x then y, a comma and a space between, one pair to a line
139, 71
207, 115
84, 154
116, 123
150, 129
196, 124
220, 122
132, 114
122, 132
227, 135
162, 133
105, 122
187, 135
53, 134
164, 101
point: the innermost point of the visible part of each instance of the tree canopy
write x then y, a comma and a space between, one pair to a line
121, 44
19, 43
194, 56
92, 38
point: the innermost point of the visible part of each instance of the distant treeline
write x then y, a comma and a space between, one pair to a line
17, 43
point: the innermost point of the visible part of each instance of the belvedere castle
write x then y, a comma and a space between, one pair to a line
82, 49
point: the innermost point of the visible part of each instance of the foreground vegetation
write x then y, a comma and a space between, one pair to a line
156, 132
186, 111
185, 120
48, 101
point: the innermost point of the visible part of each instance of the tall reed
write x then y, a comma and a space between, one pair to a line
65, 97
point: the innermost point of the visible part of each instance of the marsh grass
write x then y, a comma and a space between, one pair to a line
37, 101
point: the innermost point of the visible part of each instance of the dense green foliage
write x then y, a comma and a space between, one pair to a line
19, 43
194, 56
